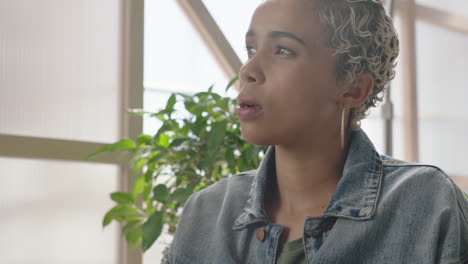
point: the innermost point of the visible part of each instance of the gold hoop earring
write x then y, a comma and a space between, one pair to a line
343, 115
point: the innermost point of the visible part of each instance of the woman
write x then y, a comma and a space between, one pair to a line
322, 194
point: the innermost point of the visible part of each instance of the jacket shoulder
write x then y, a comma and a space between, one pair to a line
427, 181
428, 192
207, 215
237, 185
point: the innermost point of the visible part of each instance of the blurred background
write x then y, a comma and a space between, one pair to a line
69, 69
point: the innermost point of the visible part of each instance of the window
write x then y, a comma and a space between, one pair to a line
442, 92
53, 210
60, 78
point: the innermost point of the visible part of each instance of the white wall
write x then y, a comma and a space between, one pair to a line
60, 68
60, 78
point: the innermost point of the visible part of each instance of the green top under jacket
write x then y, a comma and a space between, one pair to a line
292, 253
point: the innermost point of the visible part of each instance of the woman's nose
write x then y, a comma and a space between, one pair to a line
251, 73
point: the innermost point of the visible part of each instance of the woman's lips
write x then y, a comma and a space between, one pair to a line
247, 111
248, 107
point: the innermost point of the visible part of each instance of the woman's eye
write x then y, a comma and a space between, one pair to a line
279, 50
284, 51
250, 50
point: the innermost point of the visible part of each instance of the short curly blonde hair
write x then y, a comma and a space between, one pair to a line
364, 39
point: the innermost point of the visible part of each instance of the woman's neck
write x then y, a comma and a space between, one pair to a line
306, 177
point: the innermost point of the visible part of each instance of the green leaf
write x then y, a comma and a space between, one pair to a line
202, 95
230, 158
216, 97
190, 106
137, 111
149, 174
251, 156
217, 134
224, 104
178, 141
215, 139
199, 125
122, 198
152, 229
139, 165
144, 140
146, 190
160, 193
107, 218
172, 229
170, 103
181, 195
163, 140
134, 236
124, 144
211, 88
139, 186
160, 115
153, 157
241, 164
174, 125
184, 96
130, 226
232, 82
121, 212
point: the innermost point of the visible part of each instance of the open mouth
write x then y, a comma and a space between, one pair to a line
250, 106
248, 110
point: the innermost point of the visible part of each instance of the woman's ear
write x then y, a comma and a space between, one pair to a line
356, 93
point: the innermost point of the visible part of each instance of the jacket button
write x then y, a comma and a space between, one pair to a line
260, 234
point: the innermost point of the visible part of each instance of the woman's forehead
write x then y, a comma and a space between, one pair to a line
295, 16
286, 6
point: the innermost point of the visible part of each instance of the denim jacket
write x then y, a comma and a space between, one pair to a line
383, 211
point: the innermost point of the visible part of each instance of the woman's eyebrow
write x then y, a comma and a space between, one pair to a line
279, 34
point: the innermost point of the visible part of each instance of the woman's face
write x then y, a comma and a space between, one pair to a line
289, 78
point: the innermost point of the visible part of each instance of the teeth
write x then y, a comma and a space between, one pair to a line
248, 105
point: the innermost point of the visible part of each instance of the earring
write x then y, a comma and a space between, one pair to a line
343, 114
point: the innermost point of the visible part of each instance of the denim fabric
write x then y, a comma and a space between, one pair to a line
383, 211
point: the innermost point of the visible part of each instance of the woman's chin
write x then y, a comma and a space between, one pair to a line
257, 138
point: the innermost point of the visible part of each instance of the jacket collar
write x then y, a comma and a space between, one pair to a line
356, 194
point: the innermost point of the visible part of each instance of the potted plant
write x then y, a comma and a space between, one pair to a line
194, 148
